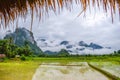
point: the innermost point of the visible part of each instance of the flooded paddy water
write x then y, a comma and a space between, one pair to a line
70, 71
111, 67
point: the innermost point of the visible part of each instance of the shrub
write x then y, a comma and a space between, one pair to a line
23, 58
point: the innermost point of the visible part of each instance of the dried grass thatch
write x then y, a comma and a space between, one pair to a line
12, 9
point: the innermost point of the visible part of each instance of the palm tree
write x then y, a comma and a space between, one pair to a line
12, 9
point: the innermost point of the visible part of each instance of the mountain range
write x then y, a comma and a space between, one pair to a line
80, 47
52, 47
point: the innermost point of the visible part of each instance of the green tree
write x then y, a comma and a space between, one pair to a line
8, 48
63, 53
118, 51
4, 47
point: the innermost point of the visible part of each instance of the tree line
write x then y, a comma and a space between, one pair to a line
10, 50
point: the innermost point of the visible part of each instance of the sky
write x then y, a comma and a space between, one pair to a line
95, 27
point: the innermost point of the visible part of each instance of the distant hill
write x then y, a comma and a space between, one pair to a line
64, 43
79, 47
62, 52
21, 36
50, 53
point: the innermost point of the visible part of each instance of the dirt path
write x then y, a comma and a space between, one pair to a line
72, 71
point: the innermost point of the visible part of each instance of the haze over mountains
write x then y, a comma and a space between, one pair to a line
54, 46
80, 47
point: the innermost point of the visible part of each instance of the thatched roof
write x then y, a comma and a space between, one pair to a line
12, 9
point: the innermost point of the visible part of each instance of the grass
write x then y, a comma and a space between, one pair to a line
65, 60
17, 70
24, 70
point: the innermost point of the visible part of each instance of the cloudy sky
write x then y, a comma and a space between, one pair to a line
95, 27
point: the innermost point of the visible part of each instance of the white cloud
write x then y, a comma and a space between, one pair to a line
95, 27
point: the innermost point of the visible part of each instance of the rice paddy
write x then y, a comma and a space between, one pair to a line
59, 69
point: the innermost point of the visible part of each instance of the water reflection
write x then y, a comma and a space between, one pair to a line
70, 71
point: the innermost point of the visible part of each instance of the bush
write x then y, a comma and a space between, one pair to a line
23, 58
3, 59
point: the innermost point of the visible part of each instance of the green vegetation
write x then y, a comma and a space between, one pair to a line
23, 58
20, 62
17, 70
109, 75
24, 38
63, 52
110, 68
8, 48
